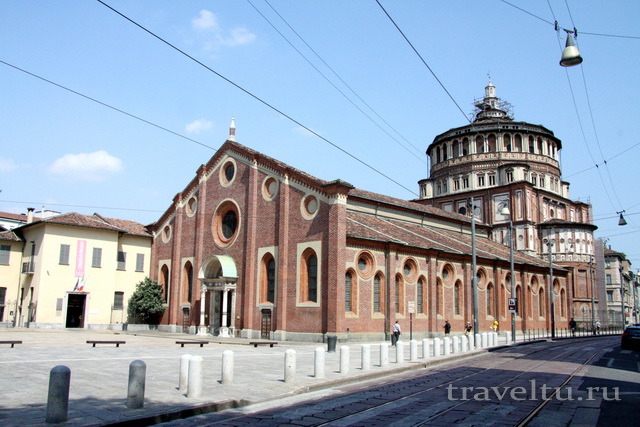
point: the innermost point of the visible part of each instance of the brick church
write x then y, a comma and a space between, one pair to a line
255, 248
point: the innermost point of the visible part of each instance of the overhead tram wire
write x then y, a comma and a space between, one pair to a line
338, 76
80, 206
603, 162
105, 104
257, 98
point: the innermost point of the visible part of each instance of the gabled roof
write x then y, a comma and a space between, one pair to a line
368, 227
95, 221
9, 236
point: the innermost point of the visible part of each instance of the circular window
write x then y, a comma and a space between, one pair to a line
226, 223
366, 264
228, 172
309, 207
269, 188
410, 270
192, 206
166, 233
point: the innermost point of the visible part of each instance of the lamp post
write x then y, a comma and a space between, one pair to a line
505, 211
474, 288
550, 242
622, 297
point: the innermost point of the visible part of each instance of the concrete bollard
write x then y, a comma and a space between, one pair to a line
384, 354
366, 357
318, 365
289, 366
399, 351
464, 343
471, 342
484, 340
183, 380
456, 344
495, 338
58, 398
478, 339
426, 348
137, 379
446, 344
194, 383
507, 336
227, 367
344, 359
437, 347
413, 350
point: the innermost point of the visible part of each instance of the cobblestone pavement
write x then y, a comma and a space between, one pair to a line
493, 389
99, 376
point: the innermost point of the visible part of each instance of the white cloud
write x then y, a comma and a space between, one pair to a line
7, 165
238, 37
90, 166
207, 21
198, 126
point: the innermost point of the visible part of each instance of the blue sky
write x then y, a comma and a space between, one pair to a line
72, 154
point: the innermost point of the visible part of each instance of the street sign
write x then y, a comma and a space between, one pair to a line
411, 306
513, 304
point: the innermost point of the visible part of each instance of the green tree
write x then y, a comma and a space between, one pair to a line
146, 303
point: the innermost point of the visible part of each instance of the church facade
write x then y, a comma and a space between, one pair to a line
512, 170
255, 248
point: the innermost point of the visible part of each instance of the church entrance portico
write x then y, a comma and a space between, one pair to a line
218, 278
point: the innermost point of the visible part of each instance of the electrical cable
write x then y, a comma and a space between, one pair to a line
332, 84
80, 206
257, 98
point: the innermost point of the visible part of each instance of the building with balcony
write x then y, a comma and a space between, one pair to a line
503, 163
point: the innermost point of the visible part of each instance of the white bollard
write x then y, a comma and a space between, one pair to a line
289, 365
399, 351
464, 343
484, 340
366, 357
194, 386
507, 336
384, 354
426, 348
319, 363
413, 350
227, 367
456, 344
447, 345
471, 342
344, 359
495, 339
437, 347
478, 338
184, 373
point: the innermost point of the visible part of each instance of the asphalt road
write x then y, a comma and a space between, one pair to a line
572, 382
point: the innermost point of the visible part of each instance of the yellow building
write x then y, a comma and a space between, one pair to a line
10, 263
79, 271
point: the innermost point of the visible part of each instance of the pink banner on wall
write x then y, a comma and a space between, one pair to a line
80, 257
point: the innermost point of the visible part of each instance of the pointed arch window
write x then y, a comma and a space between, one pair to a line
268, 279
309, 276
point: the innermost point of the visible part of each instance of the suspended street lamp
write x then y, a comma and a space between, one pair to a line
570, 54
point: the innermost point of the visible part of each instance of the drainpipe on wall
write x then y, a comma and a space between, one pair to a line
387, 304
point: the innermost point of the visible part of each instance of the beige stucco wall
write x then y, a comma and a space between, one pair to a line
10, 278
52, 282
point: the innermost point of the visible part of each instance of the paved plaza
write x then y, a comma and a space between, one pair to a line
99, 376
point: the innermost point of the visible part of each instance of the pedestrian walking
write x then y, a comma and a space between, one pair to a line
495, 326
572, 326
447, 327
467, 329
598, 327
397, 331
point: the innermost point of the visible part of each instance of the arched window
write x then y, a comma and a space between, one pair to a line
491, 143
490, 300
479, 144
531, 145
445, 151
309, 276
268, 279
518, 143
439, 295
507, 142
164, 282
420, 295
378, 292
187, 282
350, 291
563, 303
541, 302
465, 147
399, 294
519, 301
457, 299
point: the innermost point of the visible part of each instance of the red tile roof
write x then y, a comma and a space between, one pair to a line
95, 221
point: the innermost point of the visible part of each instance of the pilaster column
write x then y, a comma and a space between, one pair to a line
202, 329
